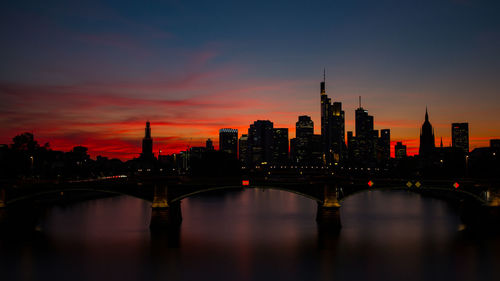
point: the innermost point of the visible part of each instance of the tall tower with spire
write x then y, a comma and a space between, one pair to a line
325, 114
332, 128
427, 142
323, 85
147, 143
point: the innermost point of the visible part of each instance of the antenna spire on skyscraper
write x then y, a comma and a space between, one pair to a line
359, 101
323, 87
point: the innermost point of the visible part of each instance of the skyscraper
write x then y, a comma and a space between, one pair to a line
384, 144
365, 135
302, 144
326, 140
209, 145
332, 128
427, 142
495, 143
228, 141
460, 136
400, 150
243, 145
147, 144
368, 148
337, 124
260, 141
316, 150
280, 146
364, 122
304, 127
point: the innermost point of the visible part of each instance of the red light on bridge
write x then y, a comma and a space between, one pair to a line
456, 185
245, 182
370, 183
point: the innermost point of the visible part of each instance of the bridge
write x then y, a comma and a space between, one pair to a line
166, 194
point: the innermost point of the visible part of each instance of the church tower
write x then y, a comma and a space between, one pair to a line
427, 143
147, 143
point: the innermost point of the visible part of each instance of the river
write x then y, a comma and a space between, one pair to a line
253, 234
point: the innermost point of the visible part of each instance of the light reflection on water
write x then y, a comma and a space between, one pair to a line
253, 235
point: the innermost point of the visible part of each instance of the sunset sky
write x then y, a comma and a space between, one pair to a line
93, 72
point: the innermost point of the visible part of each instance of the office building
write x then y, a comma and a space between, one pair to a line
301, 146
384, 145
332, 128
460, 136
280, 146
228, 141
400, 151
209, 145
495, 143
367, 147
243, 146
260, 142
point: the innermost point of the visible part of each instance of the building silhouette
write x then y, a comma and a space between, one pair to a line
332, 128
427, 142
196, 152
316, 150
364, 135
460, 136
384, 145
304, 127
363, 122
228, 141
306, 148
495, 143
301, 145
260, 142
367, 148
399, 151
280, 146
244, 155
209, 145
147, 144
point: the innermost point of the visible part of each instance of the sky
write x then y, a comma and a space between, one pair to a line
93, 72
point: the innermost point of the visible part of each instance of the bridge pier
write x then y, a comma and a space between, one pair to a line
481, 218
493, 213
489, 214
328, 214
163, 214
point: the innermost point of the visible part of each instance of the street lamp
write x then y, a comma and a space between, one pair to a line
32, 162
466, 165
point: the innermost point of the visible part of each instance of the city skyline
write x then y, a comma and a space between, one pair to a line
159, 145
334, 106
107, 69
250, 140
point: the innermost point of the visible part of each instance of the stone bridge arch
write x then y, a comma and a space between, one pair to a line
167, 212
312, 195
29, 197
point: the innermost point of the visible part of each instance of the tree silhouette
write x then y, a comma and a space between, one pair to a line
25, 142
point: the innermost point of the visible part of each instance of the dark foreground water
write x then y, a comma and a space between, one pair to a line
253, 235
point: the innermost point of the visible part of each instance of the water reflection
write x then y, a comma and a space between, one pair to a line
252, 235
